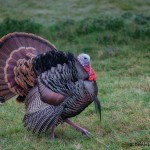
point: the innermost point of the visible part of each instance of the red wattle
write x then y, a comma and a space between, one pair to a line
92, 74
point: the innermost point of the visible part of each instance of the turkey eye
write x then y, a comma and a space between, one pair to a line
85, 58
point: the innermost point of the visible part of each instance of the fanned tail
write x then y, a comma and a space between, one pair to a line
16, 49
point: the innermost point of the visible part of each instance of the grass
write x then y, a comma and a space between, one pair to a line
118, 42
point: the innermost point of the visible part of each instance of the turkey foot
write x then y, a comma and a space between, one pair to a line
82, 130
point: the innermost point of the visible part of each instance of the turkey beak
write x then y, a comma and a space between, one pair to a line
97, 106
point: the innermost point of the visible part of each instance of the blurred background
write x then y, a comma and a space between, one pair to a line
116, 34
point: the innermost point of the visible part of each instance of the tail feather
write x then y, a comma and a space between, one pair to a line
2, 62
13, 47
2, 82
9, 95
4, 48
3, 56
1, 76
1, 70
12, 62
6, 93
17, 54
3, 87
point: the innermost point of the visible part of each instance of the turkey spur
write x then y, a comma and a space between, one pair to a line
53, 85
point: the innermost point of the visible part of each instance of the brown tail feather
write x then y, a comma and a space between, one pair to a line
1, 70
4, 92
2, 62
5, 48
1, 76
3, 86
2, 82
3, 56
14, 47
13, 62
8, 95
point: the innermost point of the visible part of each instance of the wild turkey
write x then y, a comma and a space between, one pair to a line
53, 85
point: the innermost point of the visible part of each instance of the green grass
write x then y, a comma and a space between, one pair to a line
116, 34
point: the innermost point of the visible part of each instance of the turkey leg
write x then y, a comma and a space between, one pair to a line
82, 130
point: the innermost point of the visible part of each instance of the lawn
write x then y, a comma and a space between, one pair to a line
116, 34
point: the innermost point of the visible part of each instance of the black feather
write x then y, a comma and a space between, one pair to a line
2, 100
97, 106
44, 62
